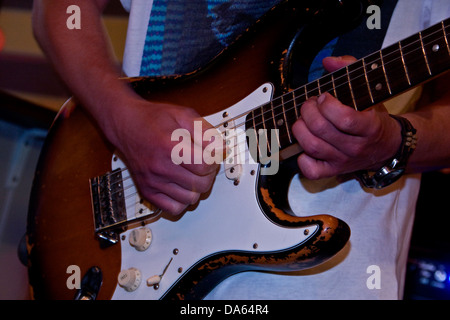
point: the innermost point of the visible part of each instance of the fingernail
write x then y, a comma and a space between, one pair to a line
321, 98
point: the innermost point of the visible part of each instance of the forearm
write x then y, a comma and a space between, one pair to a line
82, 57
432, 121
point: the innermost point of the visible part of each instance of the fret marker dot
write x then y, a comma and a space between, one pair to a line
374, 66
379, 86
280, 122
436, 48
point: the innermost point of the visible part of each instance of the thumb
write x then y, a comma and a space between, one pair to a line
334, 63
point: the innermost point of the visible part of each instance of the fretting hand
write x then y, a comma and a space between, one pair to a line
337, 139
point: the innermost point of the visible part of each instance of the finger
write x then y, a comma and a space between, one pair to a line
316, 122
334, 63
192, 157
184, 177
205, 134
201, 132
344, 118
180, 194
207, 148
205, 160
201, 170
170, 197
311, 144
166, 203
346, 129
214, 146
320, 139
197, 183
315, 169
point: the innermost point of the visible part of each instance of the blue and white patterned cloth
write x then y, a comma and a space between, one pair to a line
184, 35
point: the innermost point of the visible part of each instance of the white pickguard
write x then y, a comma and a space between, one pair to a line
229, 219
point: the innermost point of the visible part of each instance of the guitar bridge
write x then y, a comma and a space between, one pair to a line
111, 195
108, 205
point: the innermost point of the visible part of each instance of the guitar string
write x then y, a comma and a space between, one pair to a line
359, 85
345, 84
129, 206
387, 62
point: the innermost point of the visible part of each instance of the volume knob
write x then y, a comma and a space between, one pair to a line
140, 238
129, 279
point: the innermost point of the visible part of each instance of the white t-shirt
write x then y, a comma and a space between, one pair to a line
380, 220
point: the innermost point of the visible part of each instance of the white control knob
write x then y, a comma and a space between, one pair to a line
129, 279
140, 238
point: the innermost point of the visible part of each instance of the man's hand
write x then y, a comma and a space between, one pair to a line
142, 134
140, 130
337, 139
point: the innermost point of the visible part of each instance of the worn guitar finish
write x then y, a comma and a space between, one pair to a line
61, 229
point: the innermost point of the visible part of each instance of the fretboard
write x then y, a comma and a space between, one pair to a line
367, 82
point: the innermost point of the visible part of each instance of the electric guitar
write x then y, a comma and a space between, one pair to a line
87, 219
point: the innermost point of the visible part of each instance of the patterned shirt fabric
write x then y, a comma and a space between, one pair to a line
184, 35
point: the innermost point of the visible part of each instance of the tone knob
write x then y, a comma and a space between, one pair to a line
129, 279
140, 238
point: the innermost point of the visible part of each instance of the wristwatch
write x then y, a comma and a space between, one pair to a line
395, 167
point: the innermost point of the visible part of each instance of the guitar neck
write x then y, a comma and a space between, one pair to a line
365, 83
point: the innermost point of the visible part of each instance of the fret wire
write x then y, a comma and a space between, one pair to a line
365, 70
295, 105
256, 132
424, 53
264, 126
378, 75
445, 37
385, 74
306, 93
367, 80
332, 77
403, 62
334, 85
285, 120
351, 89
318, 86
275, 125
382, 59
415, 49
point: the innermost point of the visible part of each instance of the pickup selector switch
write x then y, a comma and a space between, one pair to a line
129, 279
140, 238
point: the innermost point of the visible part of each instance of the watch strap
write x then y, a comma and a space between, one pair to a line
395, 167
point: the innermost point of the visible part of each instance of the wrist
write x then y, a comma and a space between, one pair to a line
394, 168
112, 107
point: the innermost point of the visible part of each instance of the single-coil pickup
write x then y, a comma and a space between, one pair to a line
234, 150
